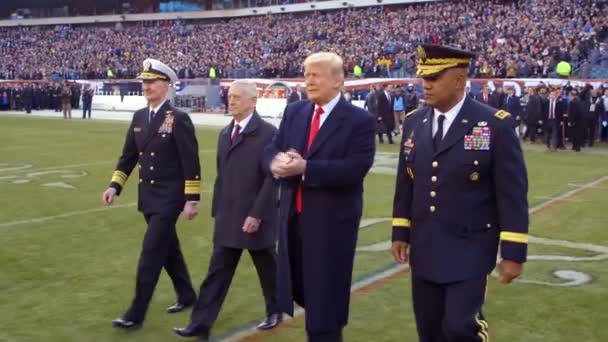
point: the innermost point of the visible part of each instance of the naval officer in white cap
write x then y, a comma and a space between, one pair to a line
161, 142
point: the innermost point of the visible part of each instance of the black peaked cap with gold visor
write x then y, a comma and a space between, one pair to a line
434, 59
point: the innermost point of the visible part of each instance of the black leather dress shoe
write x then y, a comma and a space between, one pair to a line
125, 324
270, 322
188, 331
178, 307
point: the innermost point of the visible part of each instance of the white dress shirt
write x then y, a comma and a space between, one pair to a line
327, 108
155, 110
243, 123
450, 115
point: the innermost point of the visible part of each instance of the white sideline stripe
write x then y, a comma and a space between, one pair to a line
576, 185
568, 194
573, 200
398, 268
73, 165
65, 215
33, 169
73, 213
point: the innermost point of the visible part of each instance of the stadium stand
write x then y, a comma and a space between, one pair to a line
525, 38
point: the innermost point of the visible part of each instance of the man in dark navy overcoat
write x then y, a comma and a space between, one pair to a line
321, 154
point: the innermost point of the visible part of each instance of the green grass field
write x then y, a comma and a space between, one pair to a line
67, 264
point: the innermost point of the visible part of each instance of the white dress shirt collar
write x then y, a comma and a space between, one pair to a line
450, 116
243, 123
328, 108
156, 109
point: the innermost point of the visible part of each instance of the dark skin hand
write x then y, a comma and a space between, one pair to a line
509, 270
400, 250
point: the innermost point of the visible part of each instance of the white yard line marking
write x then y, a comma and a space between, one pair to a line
6, 167
65, 215
22, 168
73, 213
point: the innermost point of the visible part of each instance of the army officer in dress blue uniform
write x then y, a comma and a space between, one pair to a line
162, 143
461, 191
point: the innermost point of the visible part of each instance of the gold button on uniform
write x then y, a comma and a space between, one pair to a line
139, 166
141, 180
433, 194
152, 181
432, 208
435, 164
141, 153
151, 168
474, 176
476, 162
434, 179
489, 225
152, 154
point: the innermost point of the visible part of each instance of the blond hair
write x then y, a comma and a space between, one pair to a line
331, 59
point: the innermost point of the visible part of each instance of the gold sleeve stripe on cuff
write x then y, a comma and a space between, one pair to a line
192, 189
514, 237
119, 177
401, 222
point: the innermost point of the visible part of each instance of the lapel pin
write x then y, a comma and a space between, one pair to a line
424, 121
464, 121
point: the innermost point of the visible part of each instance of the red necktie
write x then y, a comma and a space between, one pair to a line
314, 129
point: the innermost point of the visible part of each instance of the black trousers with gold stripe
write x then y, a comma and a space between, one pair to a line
160, 249
450, 312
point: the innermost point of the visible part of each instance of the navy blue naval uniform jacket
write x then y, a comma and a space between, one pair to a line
166, 153
454, 206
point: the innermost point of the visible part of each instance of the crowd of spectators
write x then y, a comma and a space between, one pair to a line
524, 38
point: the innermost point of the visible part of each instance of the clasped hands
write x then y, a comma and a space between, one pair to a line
287, 164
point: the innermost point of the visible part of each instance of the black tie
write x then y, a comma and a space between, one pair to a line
439, 134
151, 116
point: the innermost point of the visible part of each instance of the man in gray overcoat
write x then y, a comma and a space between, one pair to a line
244, 207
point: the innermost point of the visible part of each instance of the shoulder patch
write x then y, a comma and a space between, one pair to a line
501, 115
410, 113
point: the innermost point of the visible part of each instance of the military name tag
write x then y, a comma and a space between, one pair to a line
479, 140
136, 129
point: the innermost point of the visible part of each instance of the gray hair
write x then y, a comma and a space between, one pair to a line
248, 87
